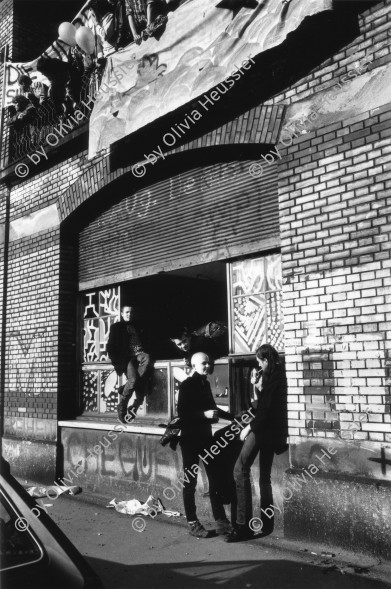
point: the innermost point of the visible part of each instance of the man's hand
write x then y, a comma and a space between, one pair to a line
211, 414
244, 433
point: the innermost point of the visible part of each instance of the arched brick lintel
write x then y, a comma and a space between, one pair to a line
98, 183
250, 131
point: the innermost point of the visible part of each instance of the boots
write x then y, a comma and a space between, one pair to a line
239, 533
123, 406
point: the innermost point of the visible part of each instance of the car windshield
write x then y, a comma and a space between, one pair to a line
17, 545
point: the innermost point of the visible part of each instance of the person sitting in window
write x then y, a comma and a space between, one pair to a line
36, 92
125, 351
210, 339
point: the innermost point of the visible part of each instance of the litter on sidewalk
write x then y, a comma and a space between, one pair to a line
58, 489
151, 507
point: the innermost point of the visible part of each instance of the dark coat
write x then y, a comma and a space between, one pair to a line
213, 348
118, 346
271, 418
195, 397
20, 119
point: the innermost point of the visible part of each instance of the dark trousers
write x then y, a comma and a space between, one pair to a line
242, 472
135, 370
190, 455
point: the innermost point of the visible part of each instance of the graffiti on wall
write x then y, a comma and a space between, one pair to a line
355, 458
137, 458
27, 354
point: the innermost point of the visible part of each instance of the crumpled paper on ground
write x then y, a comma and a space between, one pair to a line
151, 507
58, 489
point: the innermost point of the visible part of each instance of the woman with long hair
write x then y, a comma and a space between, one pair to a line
266, 434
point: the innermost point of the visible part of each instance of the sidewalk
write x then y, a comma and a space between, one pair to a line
164, 556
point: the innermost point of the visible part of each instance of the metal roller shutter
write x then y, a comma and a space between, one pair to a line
205, 214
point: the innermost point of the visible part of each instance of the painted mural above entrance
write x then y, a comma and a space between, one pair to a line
205, 44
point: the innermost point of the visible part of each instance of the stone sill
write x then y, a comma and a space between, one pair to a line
135, 429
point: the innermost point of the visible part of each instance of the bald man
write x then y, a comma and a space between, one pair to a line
197, 410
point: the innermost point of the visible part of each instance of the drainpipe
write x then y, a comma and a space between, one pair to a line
4, 313
3, 59
5, 259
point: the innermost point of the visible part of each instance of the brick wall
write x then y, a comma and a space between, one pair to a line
6, 24
3, 197
68, 334
6, 34
31, 26
334, 186
373, 41
335, 202
36, 25
334, 250
32, 326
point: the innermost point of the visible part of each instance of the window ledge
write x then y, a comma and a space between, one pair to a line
108, 426
135, 429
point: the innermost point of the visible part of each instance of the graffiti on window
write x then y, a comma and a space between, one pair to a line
108, 390
101, 309
90, 399
257, 303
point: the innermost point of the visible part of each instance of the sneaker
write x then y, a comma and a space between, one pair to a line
223, 527
239, 533
197, 529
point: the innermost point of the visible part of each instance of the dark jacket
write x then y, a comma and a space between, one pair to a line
195, 397
271, 419
119, 346
199, 343
20, 119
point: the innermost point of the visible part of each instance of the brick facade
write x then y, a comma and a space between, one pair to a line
6, 25
334, 195
336, 260
32, 326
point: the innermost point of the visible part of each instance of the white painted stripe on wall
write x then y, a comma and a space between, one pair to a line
135, 429
41, 220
